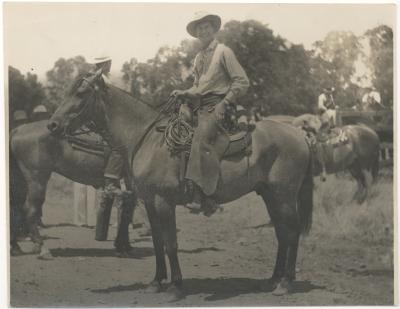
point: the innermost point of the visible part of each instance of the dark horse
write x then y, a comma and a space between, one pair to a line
34, 154
359, 154
279, 169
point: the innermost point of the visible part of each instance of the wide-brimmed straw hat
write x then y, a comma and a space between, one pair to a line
200, 17
100, 59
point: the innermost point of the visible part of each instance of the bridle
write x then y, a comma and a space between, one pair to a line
91, 105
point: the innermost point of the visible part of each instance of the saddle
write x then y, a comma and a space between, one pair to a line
335, 138
239, 143
90, 143
178, 135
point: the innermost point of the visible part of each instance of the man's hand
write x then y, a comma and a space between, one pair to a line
188, 94
178, 93
220, 110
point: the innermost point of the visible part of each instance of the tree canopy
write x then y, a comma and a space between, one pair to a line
25, 92
285, 78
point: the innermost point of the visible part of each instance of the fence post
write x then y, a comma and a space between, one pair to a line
80, 213
85, 199
91, 202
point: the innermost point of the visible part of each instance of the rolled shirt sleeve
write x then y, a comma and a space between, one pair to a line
239, 80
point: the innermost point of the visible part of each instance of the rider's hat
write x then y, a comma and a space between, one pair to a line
40, 109
100, 59
200, 17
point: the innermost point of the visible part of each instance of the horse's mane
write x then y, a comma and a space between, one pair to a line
127, 95
76, 83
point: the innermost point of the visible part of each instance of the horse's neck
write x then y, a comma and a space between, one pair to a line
128, 118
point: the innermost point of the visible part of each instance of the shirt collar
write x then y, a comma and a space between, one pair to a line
212, 46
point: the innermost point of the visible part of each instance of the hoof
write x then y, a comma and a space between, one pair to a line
41, 224
174, 293
125, 252
122, 254
45, 255
37, 249
283, 288
16, 251
153, 287
269, 285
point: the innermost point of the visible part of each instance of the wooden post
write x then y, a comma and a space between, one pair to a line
91, 202
84, 205
80, 212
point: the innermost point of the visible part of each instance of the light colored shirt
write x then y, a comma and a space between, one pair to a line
373, 96
106, 78
217, 71
325, 101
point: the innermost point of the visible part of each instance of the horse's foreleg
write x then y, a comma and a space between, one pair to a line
158, 243
166, 211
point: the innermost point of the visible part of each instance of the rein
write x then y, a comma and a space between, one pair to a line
163, 112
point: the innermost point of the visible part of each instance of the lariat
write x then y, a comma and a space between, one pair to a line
178, 135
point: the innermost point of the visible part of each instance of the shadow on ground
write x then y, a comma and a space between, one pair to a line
220, 288
137, 253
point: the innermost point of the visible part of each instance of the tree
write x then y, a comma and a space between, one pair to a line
333, 65
169, 69
24, 92
381, 61
279, 72
60, 77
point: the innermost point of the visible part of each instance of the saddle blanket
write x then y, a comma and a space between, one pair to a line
337, 138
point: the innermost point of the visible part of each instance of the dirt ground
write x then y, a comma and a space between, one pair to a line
224, 260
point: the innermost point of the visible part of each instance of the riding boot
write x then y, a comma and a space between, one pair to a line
112, 187
195, 205
202, 203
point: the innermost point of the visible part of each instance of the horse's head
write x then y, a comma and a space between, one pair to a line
308, 122
81, 105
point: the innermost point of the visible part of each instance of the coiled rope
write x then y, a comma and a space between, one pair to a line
178, 135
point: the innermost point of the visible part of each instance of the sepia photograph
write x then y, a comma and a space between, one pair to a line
200, 154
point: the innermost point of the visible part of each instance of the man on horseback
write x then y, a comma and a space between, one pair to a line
219, 81
327, 106
115, 163
114, 167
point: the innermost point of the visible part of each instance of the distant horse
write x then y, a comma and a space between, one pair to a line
34, 154
279, 169
359, 153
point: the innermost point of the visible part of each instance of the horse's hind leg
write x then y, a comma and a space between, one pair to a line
37, 183
359, 176
281, 206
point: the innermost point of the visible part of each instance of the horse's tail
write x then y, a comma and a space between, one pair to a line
17, 193
305, 198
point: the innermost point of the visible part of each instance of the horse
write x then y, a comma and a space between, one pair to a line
359, 153
34, 155
278, 169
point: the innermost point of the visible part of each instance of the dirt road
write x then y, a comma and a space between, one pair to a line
224, 259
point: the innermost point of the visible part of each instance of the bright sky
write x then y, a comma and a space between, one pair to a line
36, 35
